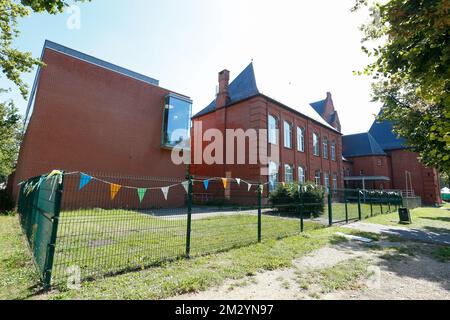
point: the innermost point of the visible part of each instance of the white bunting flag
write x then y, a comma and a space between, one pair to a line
238, 181
165, 191
186, 186
249, 186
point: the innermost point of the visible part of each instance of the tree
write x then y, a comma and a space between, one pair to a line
13, 63
10, 126
411, 69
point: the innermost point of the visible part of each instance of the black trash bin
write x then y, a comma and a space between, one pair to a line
404, 215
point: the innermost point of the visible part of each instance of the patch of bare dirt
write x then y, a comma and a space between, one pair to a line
394, 275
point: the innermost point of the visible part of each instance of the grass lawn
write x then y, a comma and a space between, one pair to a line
103, 242
18, 277
429, 219
19, 280
352, 208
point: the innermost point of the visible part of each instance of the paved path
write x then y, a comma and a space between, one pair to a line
407, 233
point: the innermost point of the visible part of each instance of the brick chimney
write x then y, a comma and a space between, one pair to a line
223, 96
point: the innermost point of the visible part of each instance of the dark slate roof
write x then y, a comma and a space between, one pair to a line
385, 136
361, 144
319, 106
243, 87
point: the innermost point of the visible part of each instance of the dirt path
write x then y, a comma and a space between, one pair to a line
394, 274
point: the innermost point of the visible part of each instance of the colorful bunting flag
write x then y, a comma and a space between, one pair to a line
284, 184
261, 187
225, 182
165, 191
238, 181
84, 180
185, 185
141, 193
206, 184
114, 189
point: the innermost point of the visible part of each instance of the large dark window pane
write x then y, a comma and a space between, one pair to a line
177, 119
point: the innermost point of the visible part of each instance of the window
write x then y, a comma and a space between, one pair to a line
334, 181
287, 135
301, 175
316, 147
176, 120
273, 130
273, 176
380, 162
288, 173
317, 178
361, 172
333, 151
325, 148
300, 139
327, 179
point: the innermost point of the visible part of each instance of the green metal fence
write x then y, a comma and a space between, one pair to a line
102, 224
39, 208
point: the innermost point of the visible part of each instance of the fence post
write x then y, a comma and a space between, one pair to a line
359, 205
371, 205
346, 206
381, 202
52, 244
330, 208
189, 218
389, 202
302, 208
260, 191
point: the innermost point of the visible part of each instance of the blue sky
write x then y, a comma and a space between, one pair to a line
311, 46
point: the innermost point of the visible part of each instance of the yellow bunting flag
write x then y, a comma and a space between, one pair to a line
225, 182
114, 189
284, 184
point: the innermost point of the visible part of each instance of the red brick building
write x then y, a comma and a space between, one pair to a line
89, 115
379, 159
309, 148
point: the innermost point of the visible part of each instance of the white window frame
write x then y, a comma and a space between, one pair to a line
317, 178
301, 175
333, 150
273, 130
300, 139
287, 129
335, 185
291, 173
273, 175
326, 177
325, 147
316, 144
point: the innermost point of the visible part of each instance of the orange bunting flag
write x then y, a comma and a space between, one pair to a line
114, 189
225, 182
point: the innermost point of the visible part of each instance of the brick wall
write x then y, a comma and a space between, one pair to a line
87, 118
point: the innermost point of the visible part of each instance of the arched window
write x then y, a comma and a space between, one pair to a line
325, 147
335, 181
317, 178
288, 173
273, 130
300, 139
301, 175
333, 150
316, 147
273, 176
327, 179
287, 135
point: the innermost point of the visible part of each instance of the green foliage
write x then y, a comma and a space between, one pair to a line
288, 197
6, 203
14, 62
10, 126
412, 72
